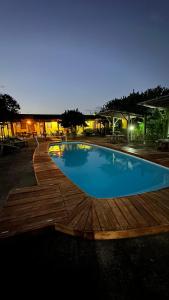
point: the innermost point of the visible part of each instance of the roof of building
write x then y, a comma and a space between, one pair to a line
118, 113
49, 117
160, 102
45, 117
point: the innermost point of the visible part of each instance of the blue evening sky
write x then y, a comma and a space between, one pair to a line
66, 54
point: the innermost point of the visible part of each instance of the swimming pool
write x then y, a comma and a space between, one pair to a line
105, 173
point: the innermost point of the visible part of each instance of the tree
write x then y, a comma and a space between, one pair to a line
9, 108
72, 118
157, 125
130, 103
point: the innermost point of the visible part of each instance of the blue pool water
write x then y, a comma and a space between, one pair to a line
105, 173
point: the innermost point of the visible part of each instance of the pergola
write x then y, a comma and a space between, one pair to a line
159, 102
114, 115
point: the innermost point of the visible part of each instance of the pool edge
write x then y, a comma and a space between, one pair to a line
92, 218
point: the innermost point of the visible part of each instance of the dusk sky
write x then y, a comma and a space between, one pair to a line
57, 55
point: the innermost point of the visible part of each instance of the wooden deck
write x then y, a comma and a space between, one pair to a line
56, 201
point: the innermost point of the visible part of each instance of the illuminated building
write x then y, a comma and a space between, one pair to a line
47, 124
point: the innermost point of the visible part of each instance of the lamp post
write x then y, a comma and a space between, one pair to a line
131, 128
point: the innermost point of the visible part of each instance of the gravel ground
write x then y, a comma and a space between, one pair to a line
16, 170
51, 263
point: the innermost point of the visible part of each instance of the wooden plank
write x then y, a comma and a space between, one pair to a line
68, 187
123, 224
120, 202
79, 221
89, 220
154, 210
137, 217
160, 202
24, 212
104, 214
131, 233
148, 208
164, 194
92, 222
109, 213
137, 203
34, 194
95, 218
46, 217
22, 200
73, 213
28, 225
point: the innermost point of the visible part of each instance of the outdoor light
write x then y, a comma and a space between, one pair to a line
131, 127
28, 122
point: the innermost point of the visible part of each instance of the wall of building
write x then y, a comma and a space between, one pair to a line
51, 127
124, 123
5, 130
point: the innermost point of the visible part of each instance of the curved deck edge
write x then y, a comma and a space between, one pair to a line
56, 201
110, 235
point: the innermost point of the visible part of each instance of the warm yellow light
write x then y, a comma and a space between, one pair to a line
60, 148
131, 127
57, 150
28, 122
90, 124
84, 147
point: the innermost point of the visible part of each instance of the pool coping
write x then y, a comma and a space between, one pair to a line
73, 212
